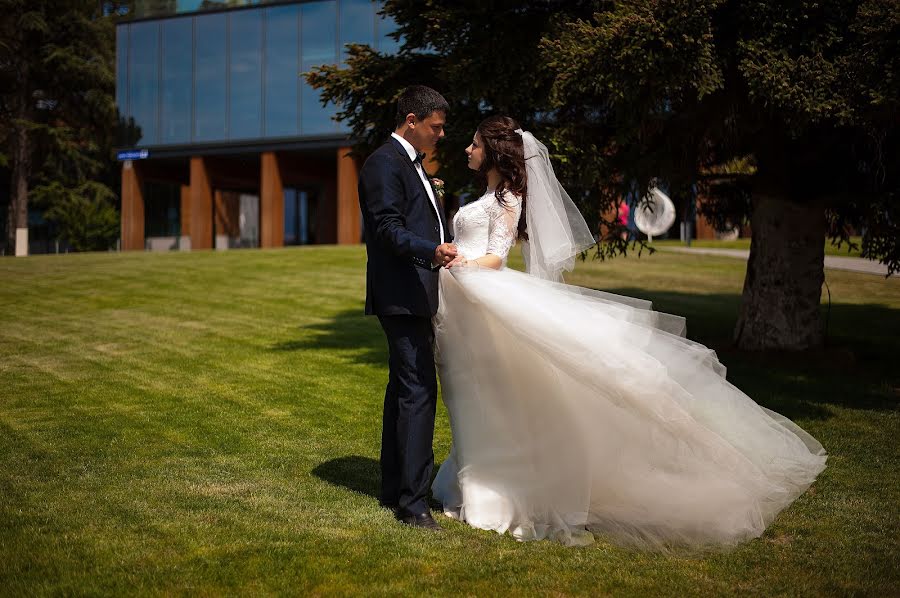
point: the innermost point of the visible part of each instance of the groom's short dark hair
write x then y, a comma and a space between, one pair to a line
421, 101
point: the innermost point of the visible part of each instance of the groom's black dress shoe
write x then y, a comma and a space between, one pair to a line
424, 521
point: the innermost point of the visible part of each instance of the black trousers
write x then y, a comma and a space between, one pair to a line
407, 458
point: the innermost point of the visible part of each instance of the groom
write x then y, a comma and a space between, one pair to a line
407, 242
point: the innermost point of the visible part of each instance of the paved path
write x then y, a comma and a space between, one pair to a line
833, 262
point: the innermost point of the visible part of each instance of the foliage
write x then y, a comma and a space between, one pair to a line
443, 45
85, 216
810, 90
627, 92
57, 95
485, 58
750, 103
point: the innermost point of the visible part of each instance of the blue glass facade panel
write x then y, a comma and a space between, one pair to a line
235, 74
282, 82
143, 80
177, 76
357, 24
318, 45
245, 74
210, 78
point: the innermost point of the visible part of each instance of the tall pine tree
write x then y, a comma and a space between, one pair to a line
57, 103
806, 95
784, 111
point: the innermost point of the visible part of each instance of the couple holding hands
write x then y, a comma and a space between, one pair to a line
574, 412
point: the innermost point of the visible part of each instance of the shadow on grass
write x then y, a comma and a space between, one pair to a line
356, 473
856, 369
360, 337
360, 474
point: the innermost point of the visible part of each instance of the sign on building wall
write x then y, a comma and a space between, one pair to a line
133, 155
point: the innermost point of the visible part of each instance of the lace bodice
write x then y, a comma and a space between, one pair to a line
486, 226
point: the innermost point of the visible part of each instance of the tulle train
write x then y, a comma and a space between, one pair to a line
576, 412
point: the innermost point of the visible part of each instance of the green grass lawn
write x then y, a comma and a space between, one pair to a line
208, 423
844, 250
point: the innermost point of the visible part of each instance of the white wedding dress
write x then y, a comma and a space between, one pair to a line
576, 412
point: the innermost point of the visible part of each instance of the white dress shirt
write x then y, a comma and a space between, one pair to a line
412, 156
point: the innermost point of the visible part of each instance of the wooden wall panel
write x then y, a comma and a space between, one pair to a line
132, 207
348, 215
201, 205
271, 202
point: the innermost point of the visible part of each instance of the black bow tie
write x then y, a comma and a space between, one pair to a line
419, 157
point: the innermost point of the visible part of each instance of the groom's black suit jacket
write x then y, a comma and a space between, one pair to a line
401, 232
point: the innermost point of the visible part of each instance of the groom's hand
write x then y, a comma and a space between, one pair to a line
444, 254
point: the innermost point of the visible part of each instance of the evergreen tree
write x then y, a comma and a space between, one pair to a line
787, 112
57, 102
484, 57
806, 95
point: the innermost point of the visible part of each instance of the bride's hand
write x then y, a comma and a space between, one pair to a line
458, 261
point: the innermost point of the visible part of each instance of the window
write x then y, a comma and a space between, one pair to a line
282, 71
210, 78
235, 74
357, 24
245, 70
177, 75
299, 216
143, 81
318, 35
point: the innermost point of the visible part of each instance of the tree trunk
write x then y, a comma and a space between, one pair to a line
18, 197
21, 158
785, 272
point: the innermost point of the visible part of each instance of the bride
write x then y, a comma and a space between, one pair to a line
576, 412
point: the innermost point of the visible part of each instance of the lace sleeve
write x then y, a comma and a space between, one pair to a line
503, 226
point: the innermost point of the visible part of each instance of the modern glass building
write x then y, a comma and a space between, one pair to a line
225, 143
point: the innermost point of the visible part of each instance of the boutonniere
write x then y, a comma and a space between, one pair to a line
438, 185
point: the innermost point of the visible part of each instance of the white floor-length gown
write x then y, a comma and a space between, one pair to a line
575, 411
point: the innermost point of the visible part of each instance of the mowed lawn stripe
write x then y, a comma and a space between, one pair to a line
210, 422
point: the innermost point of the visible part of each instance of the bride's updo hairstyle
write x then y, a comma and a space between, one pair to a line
504, 150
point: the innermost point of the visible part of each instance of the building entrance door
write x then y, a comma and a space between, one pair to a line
300, 215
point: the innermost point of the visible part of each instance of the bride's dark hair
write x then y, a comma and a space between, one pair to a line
505, 151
